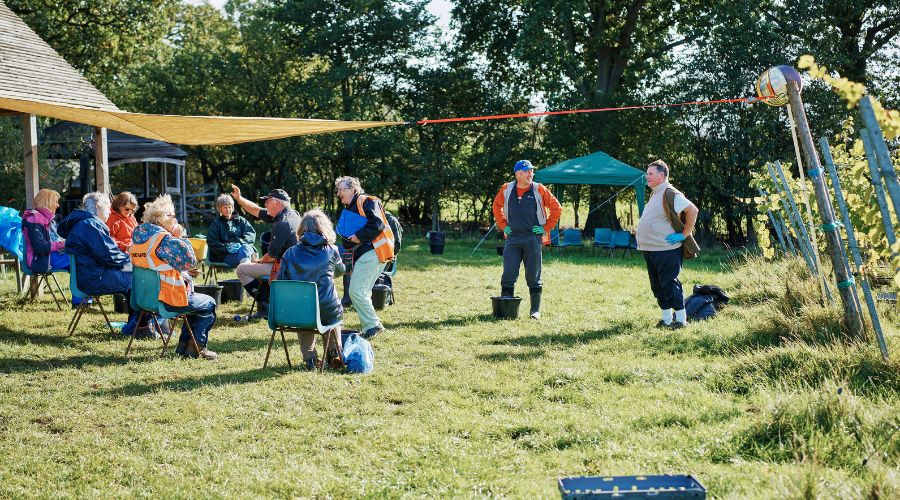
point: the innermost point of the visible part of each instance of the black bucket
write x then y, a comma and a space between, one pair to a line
436, 240
214, 291
120, 303
500, 250
232, 290
506, 307
380, 296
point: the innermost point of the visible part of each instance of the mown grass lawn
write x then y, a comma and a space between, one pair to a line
459, 404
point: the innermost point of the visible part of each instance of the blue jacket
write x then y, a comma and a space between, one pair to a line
313, 259
97, 257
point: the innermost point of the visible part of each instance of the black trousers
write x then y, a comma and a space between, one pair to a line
520, 249
663, 269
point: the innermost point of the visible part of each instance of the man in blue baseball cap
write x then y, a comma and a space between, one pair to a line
521, 211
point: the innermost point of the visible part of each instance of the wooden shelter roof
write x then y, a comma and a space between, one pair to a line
31, 70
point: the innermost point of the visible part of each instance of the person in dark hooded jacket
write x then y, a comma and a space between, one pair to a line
100, 263
315, 258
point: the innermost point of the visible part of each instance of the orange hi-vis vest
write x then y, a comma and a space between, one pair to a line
384, 242
172, 289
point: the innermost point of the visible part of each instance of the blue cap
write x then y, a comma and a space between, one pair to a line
523, 165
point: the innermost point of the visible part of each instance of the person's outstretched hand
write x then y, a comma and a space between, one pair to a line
538, 230
235, 192
674, 238
507, 231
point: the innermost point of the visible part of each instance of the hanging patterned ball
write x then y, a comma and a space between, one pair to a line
772, 85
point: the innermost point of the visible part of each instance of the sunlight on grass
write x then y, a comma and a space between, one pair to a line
459, 404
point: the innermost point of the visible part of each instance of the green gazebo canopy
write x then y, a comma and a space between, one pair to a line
595, 168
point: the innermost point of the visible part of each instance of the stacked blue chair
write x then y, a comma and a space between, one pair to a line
85, 301
572, 238
294, 306
602, 238
145, 298
620, 240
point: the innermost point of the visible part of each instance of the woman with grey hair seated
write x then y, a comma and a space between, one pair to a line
159, 244
315, 258
230, 238
98, 261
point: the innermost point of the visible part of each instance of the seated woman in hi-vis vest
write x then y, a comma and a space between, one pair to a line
159, 244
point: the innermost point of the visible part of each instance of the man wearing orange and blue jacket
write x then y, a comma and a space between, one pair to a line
521, 211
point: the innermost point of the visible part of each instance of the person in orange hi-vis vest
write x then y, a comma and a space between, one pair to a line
525, 212
159, 244
372, 246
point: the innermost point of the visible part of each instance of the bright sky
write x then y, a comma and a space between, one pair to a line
438, 8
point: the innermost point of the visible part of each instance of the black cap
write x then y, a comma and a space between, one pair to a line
278, 194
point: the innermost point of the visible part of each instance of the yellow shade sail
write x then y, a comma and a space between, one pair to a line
188, 130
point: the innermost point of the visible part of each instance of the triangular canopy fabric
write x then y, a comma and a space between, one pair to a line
34, 79
595, 168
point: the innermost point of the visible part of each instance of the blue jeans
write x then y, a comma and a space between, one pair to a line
201, 314
233, 259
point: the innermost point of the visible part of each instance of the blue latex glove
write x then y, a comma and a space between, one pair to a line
507, 230
538, 230
674, 238
232, 247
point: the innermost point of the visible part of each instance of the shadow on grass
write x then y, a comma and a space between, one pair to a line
25, 365
501, 357
251, 343
451, 321
566, 339
192, 383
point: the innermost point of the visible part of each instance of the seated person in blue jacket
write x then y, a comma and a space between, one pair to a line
100, 265
315, 258
160, 244
43, 246
230, 237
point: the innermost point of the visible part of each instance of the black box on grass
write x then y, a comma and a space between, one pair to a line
658, 487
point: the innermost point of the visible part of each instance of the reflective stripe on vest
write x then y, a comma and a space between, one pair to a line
172, 289
384, 242
541, 213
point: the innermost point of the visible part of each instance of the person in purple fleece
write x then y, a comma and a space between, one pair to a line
43, 246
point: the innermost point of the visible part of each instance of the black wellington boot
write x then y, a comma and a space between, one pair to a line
507, 292
536, 304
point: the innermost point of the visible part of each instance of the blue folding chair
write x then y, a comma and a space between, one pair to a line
145, 298
571, 238
44, 278
602, 237
294, 306
85, 301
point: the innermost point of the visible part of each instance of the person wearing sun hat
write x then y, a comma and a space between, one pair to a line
285, 223
525, 212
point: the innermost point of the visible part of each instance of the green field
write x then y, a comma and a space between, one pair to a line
461, 405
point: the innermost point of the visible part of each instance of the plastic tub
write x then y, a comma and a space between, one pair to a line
120, 303
232, 290
506, 307
214, 291
380, 296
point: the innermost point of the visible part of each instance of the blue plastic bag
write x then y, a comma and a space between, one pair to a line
11, 232
358, 354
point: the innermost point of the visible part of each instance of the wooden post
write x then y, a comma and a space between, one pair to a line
854, 246
832, 238
882, 155
101, 160
879, 188
30, 139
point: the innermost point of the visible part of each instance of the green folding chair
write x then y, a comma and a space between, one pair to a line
145, 298
294, 306
85, 303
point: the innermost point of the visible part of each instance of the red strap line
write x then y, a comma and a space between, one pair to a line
597, 110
